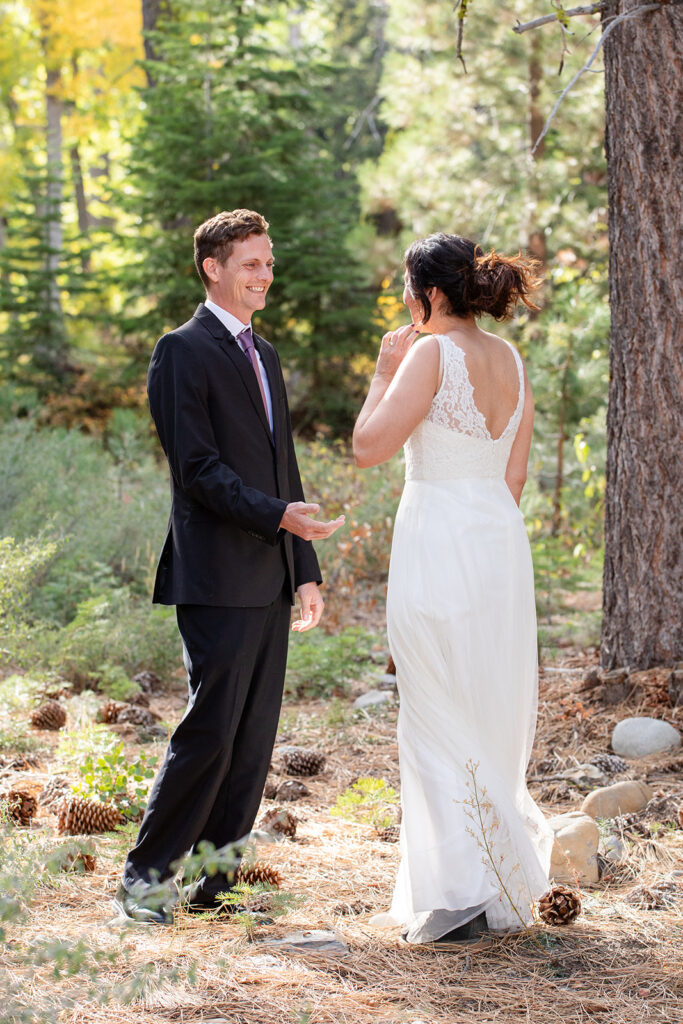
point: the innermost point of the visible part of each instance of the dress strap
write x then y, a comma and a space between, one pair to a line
520, 372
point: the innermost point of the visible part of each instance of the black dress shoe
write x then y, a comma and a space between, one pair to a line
470, 932
193, 901
146, 906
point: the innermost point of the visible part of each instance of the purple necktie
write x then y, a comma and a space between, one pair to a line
248, 342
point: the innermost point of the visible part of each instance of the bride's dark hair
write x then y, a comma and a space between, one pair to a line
474, 282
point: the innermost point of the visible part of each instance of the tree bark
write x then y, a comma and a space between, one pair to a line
643, 582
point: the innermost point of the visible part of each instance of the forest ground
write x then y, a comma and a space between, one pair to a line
618, 963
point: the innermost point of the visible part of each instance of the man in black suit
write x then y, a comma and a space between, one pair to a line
238, 549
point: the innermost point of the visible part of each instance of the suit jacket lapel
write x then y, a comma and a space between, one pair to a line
241, 363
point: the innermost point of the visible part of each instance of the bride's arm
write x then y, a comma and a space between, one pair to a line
401, 392
515, 472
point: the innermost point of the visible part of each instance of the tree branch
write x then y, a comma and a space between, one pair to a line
575, 12
613, 24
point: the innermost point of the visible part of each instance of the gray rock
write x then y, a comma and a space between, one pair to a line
315, 940
638, 737
613, 849
387, 682
372, 698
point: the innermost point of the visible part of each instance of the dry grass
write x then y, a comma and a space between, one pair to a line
619, 963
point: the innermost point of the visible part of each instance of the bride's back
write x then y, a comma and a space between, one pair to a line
493, 374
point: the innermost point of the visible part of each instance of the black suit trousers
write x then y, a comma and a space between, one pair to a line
211, 782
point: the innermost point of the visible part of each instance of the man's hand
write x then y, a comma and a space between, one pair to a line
312, 605
297, 520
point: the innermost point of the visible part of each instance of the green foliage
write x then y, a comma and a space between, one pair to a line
114, 624
17, 696
20, 565
368, 801
92, 739
321, 664
112, 778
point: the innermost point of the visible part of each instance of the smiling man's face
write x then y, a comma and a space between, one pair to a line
241, 284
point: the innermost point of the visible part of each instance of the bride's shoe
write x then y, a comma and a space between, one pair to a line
470, 932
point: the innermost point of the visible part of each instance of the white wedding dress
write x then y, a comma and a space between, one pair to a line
462, 630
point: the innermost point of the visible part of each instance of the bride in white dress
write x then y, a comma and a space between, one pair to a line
475, 849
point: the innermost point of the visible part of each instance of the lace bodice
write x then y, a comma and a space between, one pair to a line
453, 441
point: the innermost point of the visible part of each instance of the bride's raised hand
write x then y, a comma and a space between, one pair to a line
393, 350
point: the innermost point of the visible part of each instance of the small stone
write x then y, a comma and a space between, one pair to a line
575, 851
292, 789
316, 940
613, 849
638, 737
387, 682
619, 798
373, 698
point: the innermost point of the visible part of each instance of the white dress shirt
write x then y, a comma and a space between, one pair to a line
235, 327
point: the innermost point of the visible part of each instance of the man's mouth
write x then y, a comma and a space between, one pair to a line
253, 288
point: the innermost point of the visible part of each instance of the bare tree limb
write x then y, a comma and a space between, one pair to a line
626, 16
575, 12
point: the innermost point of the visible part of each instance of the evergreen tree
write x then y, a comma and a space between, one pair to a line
235, 116
34, 346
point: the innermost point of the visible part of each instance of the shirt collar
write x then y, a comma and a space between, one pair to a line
234, 325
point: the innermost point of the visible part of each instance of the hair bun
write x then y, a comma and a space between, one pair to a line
497, 283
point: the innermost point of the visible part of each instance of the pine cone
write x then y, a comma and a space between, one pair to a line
50, 715
21, 806
133, 715
299, 761
390, 834
149, 682
291, 789
54, 792
559, 906
110, 712
258, 874
82, 817
630, 825
279, 822
351, 909
611, 764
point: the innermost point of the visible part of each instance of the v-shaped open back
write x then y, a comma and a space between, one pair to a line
453, 440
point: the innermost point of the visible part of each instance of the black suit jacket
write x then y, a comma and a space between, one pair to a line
230, 478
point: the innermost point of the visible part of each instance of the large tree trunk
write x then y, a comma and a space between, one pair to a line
643, 581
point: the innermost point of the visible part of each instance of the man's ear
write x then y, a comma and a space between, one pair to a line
209, 265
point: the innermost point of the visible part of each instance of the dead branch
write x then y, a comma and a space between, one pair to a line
575, 12
626, 16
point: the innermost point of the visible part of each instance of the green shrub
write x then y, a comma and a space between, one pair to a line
321, 664
110, 777
368, 801
113, 636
